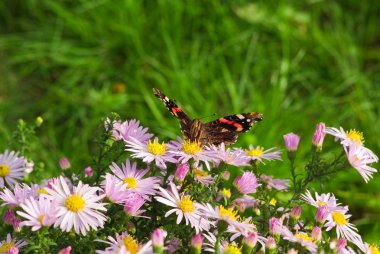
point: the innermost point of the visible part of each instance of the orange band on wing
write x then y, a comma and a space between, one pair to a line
176, 110
223, 120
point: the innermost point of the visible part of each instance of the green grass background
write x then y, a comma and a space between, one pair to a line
297, 62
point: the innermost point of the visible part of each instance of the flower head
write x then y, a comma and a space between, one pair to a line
8, 243
181, 171
278, 184
259, 153
133, 203
78, 208
12, 168
202, 176
301, 238
125, 244
235, 157
21, 192
130, 129
64, 163
247, 183
319, 135
359, 159
291, 141
115, 189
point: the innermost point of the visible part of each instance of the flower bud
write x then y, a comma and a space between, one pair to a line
88, 171
9, 216
291, 141
16, 223
226, 175
66, 250
249, 242
247, 183
196, 244
181, 171
64, 163
322, 213
226, 193
39, 121
342, 243
13, 250
296, 212
319, 135
158, 236
133, 204
275, 226
316, 234
270, 245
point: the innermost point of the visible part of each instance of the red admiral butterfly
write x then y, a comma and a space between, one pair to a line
223, 130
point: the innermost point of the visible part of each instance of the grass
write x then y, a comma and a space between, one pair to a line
297, 62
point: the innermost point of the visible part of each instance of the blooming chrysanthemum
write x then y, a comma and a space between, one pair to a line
151, 151
41, 213
125, 244
78, 208
184, 207
369, 248
301, 238
359, 159
184, 150
340, 220
278, 184
126, 130
12, 168
348, 138
247, 183
229, 156
20, 193
8, 243
328, 200
202, 176
224, 248
258, 153
229, 215
115, 189
133, 177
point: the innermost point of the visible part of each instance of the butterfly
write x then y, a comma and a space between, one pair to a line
223, 130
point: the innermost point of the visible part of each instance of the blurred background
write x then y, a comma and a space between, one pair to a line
297, 62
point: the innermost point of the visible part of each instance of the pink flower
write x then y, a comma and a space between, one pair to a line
133, 204
270, 243
115, 189
197, 241
20, 194
275, 226
291, 141
9, 215
247, 183
359, 159
130, 129
319, 135
278, 184
316, 233
12, 168
158, 236
88, 172
66, 250
8, 243
251, 239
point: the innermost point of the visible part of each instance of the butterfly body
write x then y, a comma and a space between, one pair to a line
223, 130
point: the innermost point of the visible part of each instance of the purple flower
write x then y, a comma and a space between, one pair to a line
64, 163
322, 213
88, 171
270, 243
275, 226
247, 183
181, 171
278, 184
316, 233
196, 242
12, 168
9, 215
66, 250
319, 135
128, 129
295, 213
133, 204
158, 236
291, 141
251, 239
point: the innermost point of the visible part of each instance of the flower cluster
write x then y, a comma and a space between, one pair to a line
180, 197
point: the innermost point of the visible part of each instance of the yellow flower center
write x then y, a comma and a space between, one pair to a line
131, 181
41, 218
131, 244
374, 249
75, 203
256, 152
231, 249
186, 204
4, 170
228, 212
321, 203
339, 218
273, 201
304, 237
200, 173
6, 246
156, 148
226, 192
42, 191
355, 136
191, 147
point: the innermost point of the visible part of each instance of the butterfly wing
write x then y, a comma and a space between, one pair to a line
226, 129
184, 121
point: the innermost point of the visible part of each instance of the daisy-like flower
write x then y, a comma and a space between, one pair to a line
41, 213
369, 248
20, 194
224, 247
8, 243
202, 176
133, 177
359, 159
328, 200
247, 183
229, 156
301, 238
340, 220
185, 150
258, 153
347, 138
128, 129
184, 207
12, 168
125, 244
78, 208
151, 151
229, 215
115, 190
278, 184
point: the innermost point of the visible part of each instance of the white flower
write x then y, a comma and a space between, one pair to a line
359, 159
12, 168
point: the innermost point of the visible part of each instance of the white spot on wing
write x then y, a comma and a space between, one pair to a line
240, 116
